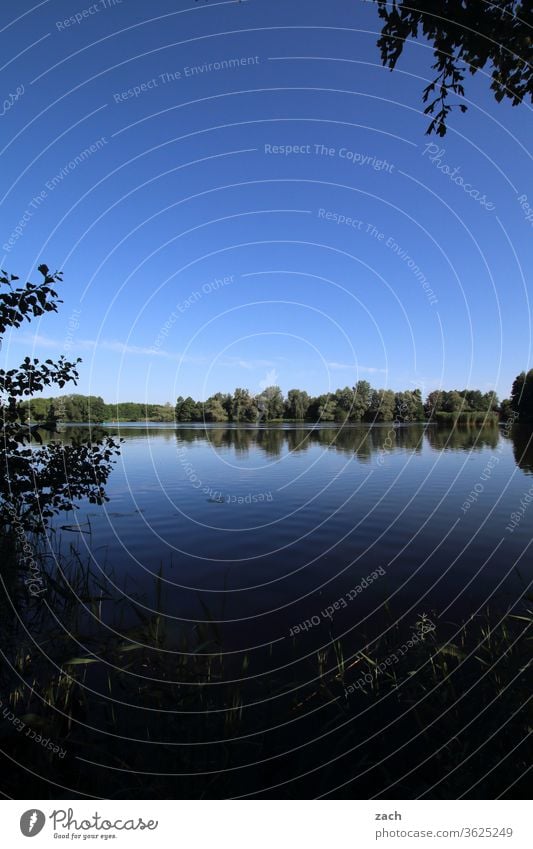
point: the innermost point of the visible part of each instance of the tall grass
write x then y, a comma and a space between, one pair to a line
171, 714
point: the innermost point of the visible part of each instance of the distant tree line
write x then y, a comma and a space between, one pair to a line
355, 404
468, 406
359, 403
92, 408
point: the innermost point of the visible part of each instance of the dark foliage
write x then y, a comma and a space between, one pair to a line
465, 35
38, 481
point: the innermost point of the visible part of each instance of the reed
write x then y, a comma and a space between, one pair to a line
172, 715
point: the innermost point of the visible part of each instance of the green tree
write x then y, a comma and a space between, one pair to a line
243, 407
433, 403
226, 399
38, 408
297, 404
38, 481
361, 400
128, 411
381, 406
473, 399
327, 408
270, 403
313, 408
453, 402
522, 396
344, 399
418, 404
490, 401
408, 406
74, 409
506, 409
187, 410
214, 409
465, 35
160, 412
96, 409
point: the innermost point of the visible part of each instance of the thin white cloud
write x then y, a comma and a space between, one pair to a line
39, 341
79, 345
334, 366
247, 364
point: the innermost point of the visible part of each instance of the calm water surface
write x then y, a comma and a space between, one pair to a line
264, 528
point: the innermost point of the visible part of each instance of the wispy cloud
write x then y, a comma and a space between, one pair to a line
334, 366
39, 341
247, 364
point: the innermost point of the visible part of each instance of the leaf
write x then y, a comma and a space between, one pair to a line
81, 661
34, 720
453, 651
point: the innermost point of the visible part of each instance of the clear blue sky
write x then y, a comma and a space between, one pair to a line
186, 180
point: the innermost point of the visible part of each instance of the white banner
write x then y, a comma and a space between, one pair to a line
267, 824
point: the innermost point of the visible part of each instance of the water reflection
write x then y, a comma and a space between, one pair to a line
522, 441
362, 442
462, 438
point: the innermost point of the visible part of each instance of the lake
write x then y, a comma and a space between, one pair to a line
285, 611
261, 529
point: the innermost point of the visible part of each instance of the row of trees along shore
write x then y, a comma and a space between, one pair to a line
92, 408
360, 403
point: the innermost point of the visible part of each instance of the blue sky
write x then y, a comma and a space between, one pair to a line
239, 194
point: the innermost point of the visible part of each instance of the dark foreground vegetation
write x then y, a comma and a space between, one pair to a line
139, 710
38, 480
